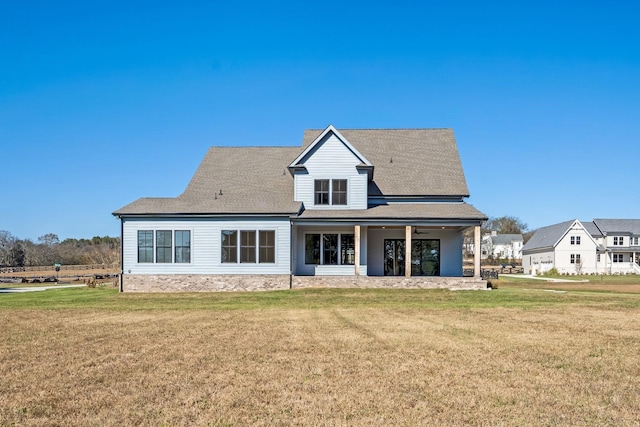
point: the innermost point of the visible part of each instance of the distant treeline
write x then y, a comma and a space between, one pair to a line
49, 250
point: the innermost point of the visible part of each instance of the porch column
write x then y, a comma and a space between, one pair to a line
476, 252
356, 234
407, 252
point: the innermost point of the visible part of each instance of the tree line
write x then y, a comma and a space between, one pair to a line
49, 250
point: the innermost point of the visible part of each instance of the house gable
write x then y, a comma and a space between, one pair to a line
328, 166
576, 230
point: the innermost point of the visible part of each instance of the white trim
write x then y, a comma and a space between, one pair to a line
570, 228
342, 139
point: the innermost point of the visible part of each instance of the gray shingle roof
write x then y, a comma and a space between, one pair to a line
612, 226
592, 229
443, 211
546, 237
408, 161
255, 180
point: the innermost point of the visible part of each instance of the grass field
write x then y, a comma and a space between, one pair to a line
529, 353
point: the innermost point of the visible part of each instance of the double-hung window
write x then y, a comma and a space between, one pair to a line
182, 246
618, 241
338, 191
330, 192
267, 252
575, 258
248, 246
618, 257
145, 246
575, 240
163, 246
321, 192
229, 246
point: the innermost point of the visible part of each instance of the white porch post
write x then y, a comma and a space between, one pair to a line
356, 233
476, 252
407, 252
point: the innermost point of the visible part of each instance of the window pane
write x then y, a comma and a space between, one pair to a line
229, 246
248, 246
267, 246
330, 249
183, 246
425, 257
339, 195
312, 249
145, 246
321, 191
347, 249
163, 246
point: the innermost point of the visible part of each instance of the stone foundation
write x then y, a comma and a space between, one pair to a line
241, 283
431, 282
203, 283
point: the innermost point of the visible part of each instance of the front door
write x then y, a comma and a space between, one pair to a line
425, 257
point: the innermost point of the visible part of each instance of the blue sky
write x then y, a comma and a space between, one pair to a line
105, 102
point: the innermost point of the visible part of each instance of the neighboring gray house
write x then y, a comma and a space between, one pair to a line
604, 246
347, 205
505, 246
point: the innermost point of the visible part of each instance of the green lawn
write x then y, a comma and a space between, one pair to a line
514, 293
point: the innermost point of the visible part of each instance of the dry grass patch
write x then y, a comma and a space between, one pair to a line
567, 364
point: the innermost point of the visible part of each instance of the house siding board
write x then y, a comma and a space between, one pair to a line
331, 159
586, 249
541, 262
206, 246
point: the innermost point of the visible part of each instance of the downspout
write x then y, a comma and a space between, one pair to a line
291, 254
121, 255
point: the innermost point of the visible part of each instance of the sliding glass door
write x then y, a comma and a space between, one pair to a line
425, 257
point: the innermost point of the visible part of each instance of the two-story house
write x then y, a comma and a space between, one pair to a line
502, 246
370, 207
603, 246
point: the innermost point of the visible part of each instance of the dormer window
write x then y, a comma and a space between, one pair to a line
339, 194
337, 188
321, 192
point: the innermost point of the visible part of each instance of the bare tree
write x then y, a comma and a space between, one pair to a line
505, 225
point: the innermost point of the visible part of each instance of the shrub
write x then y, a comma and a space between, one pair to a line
493, 283
551, 272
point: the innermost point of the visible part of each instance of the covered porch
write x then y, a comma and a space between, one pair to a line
416, 250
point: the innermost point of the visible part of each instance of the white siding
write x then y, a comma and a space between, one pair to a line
586, 249
538, 263
331, 159
206, 246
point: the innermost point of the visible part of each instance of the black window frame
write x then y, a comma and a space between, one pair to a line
321, 190
145, 237
229, 251
266, 246
182, 246
339, 192
248, 246
164, 249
